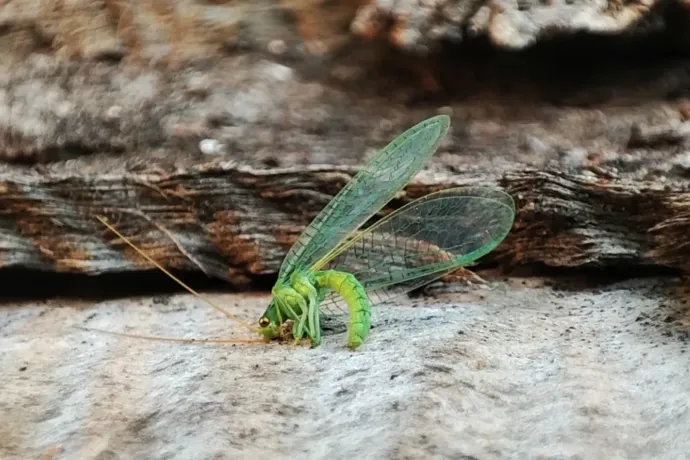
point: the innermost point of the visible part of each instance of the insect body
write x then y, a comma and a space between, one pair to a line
333, 263
299, 301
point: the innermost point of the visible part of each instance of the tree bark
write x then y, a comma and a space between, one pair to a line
110, 116
237, 222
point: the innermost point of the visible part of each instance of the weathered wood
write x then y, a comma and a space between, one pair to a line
126, 140
237, 222
290, 81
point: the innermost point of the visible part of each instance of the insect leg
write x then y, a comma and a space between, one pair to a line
313, 320
313, 306
295, 308
283, 297
305, 287
299, 327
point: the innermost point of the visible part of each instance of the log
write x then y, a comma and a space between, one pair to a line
237, 222
121, 122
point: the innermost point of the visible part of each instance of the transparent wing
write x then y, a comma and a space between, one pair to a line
423, 241
366, 193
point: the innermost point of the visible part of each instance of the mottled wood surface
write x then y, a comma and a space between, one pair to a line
209, 121
248, 218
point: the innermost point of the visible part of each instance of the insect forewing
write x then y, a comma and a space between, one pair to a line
424, 240
366, 193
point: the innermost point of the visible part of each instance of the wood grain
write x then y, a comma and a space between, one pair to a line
237, 222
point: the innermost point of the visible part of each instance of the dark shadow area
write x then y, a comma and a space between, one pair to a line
650, 60
561, 69
567, 279
577, 279
21, 284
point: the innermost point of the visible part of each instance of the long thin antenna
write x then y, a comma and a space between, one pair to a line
178, 281
172, 339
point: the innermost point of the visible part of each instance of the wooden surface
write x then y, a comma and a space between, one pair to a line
522, 370
248, 218
105, 109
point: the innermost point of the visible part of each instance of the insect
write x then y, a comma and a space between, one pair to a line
335, 266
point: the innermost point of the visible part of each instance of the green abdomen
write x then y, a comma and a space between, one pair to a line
351, 290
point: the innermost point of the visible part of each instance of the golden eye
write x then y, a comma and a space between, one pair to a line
263, 322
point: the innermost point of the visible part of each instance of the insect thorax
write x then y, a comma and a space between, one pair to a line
304, 284
295, 291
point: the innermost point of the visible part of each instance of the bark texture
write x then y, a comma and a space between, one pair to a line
229, 125
222, 214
